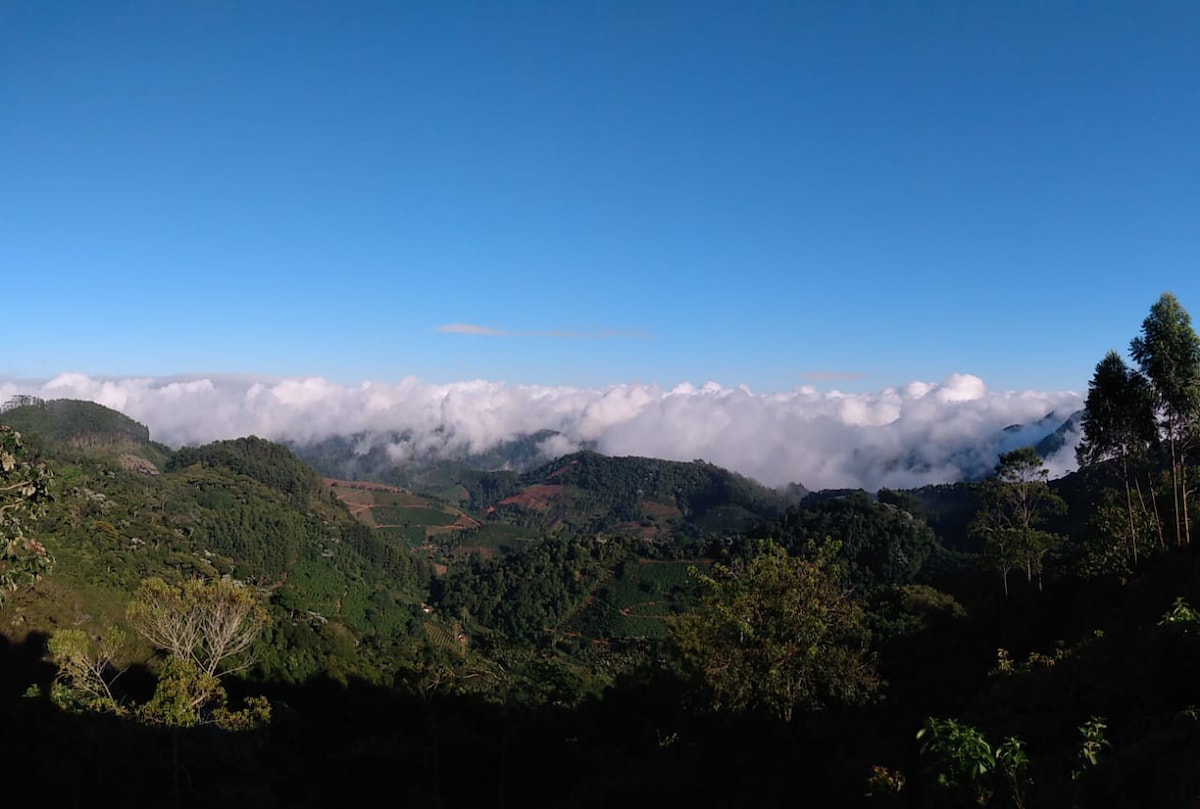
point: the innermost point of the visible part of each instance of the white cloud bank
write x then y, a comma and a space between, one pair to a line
898, 437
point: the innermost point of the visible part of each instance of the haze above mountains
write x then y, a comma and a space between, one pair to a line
918, 434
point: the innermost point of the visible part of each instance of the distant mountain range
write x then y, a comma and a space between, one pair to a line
1065, 436
398, 459
401, 458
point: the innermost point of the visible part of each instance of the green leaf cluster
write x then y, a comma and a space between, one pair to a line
776, 633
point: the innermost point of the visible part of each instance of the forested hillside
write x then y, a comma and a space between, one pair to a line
599, 631
245, 509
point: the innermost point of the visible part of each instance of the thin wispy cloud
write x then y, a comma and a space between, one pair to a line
488, 331
917, 434
469, 328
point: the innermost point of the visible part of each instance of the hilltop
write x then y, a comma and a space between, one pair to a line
72, 426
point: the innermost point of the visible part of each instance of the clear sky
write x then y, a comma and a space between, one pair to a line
837, 194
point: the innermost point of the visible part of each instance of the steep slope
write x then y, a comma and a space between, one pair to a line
246, 508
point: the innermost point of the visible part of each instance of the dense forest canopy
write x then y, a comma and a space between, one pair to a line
597, 630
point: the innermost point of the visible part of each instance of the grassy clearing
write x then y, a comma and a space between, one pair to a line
635, 604
400, 515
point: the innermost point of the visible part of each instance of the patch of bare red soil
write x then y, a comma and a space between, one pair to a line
660, 511
534, 498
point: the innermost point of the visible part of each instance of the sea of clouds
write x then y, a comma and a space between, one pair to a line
899, 437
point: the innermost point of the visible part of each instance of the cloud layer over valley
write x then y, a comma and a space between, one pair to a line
898, 437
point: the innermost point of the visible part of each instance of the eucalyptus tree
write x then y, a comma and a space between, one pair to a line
1118, 424
1017, 502
1168, 354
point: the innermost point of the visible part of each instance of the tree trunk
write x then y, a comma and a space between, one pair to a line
1175, 491
1187, 525
1129, 509
175, 765
1162, 541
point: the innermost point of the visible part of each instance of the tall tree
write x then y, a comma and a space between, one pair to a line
1017, 501
1168, 354
1118, 423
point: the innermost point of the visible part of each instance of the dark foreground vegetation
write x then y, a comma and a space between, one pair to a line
221, 626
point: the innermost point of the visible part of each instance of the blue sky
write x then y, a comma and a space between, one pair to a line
844, 195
